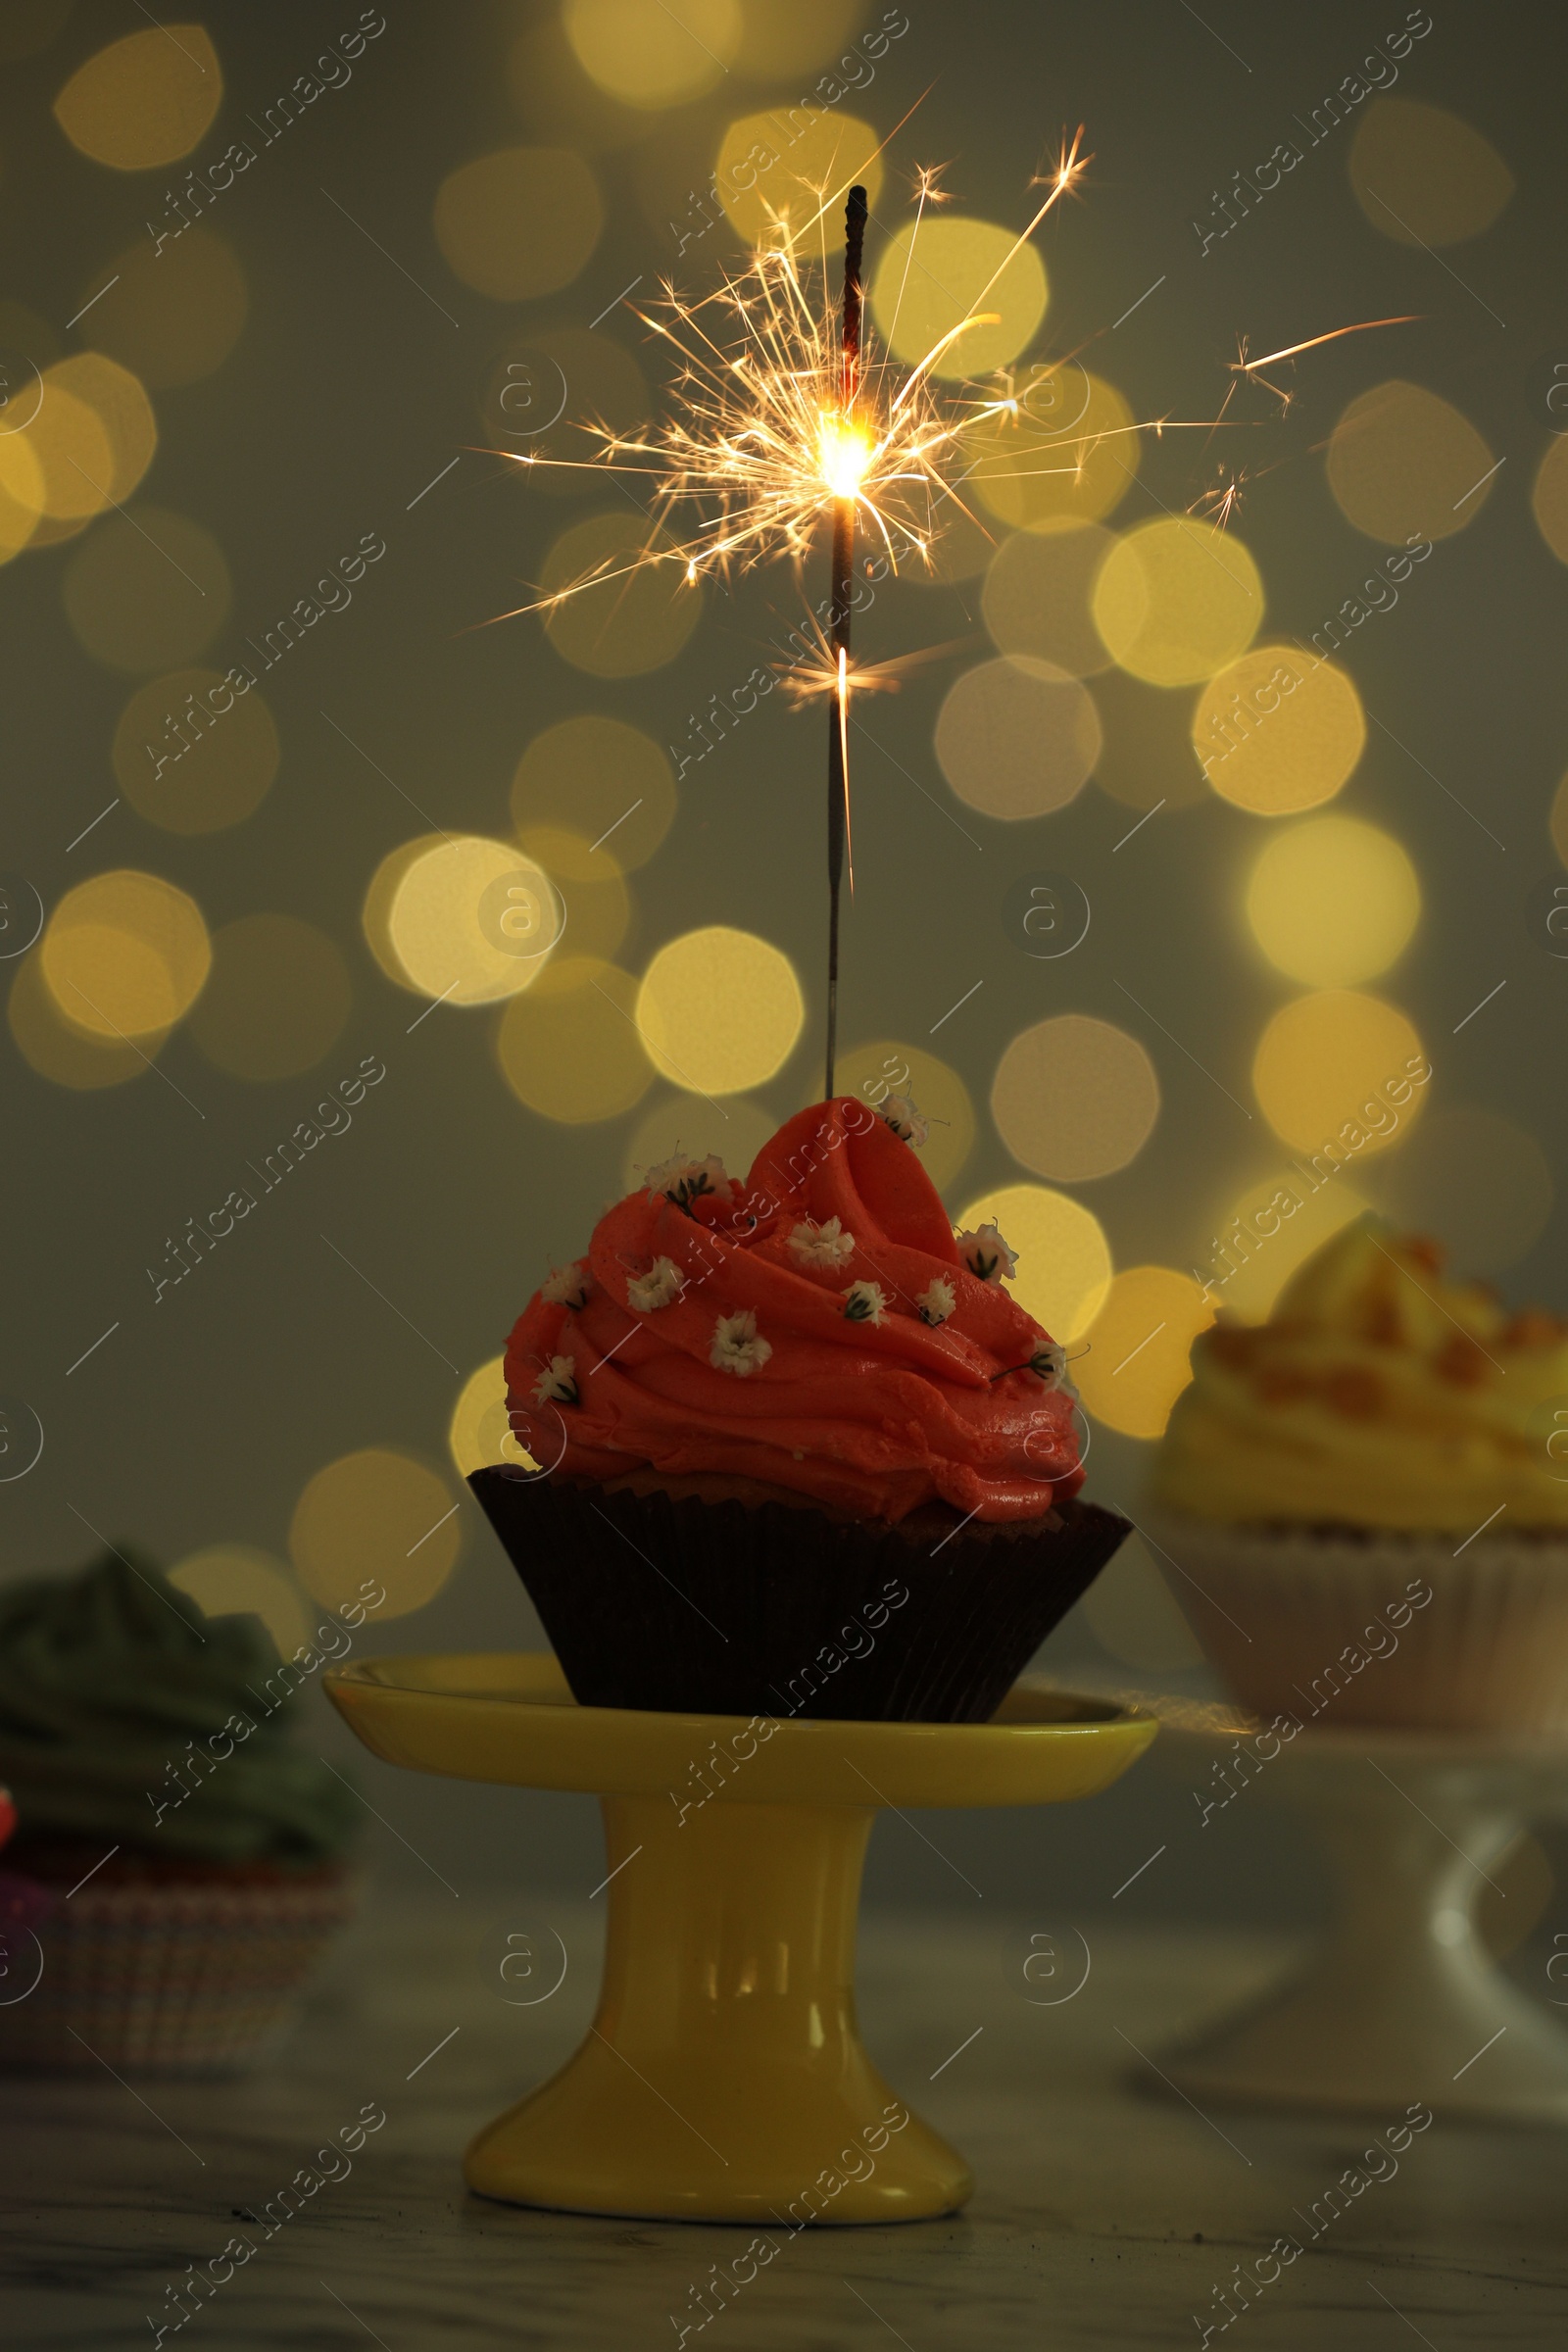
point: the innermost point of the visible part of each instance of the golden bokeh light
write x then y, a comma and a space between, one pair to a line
1479, 1182
1557, 821
1176, 600
1075, 1097
772, 169
172, 313
1135, 1363
145, 100
596, 913
719, 1010
75, 458
1278, 731
125, 954
1069, 453
958, 267
377, 1518
277, 999
469, 919
479, 1434
1333, 902
520, 223
1549, 497
734, 1131
1341, 1070
571, 1048
192, 755
599, 781
22, 493
149, 591
555, 98
121, 407
1422, 176
790, 36
624, 627
888, 1066
51, 530
1039, 591
653, 57
1274, 1227
1405, 467
229, 1580
1065, 1265
59, 1050
1017, 737
1131, 1612
375, 914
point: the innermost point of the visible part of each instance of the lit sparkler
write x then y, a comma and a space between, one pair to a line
780, 422
773, 425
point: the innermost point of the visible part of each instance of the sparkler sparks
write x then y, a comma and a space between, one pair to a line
1064, 176
1219, 502
759, 443
924, 184
1253, 368
780, 421
765, 436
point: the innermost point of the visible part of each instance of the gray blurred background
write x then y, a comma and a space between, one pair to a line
364, 368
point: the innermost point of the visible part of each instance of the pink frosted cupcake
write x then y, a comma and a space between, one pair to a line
1364, 1499
799, 1449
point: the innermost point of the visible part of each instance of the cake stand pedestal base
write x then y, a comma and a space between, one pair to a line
1401, 2003
723, 2078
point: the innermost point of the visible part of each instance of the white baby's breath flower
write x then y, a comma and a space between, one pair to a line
568, 1286
662, 1282
1049, 1363
683, 1180
905, 1121
826, 1245
937, 1301
865, 1303
559, 1381
737, 1347
986, 1253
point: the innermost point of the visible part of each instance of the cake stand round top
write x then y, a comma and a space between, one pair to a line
1191, 1735
510, 1718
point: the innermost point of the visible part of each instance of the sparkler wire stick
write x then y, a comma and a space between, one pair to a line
842, 562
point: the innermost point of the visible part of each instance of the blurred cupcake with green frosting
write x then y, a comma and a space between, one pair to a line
191, 1854
1367, 1496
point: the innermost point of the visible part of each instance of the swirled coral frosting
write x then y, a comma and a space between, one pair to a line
127, 1715
1379, 1394
817, 1331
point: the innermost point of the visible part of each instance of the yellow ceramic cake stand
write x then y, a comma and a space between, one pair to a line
723, 2078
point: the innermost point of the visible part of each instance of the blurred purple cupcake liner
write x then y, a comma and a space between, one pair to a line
186, 1976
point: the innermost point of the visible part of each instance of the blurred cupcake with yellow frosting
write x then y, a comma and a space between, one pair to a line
1367, 1496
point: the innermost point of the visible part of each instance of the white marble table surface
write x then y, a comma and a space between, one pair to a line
1104, 2217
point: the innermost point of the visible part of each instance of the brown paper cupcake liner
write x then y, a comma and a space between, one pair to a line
1330, 1624
729, 1608
176, 1975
